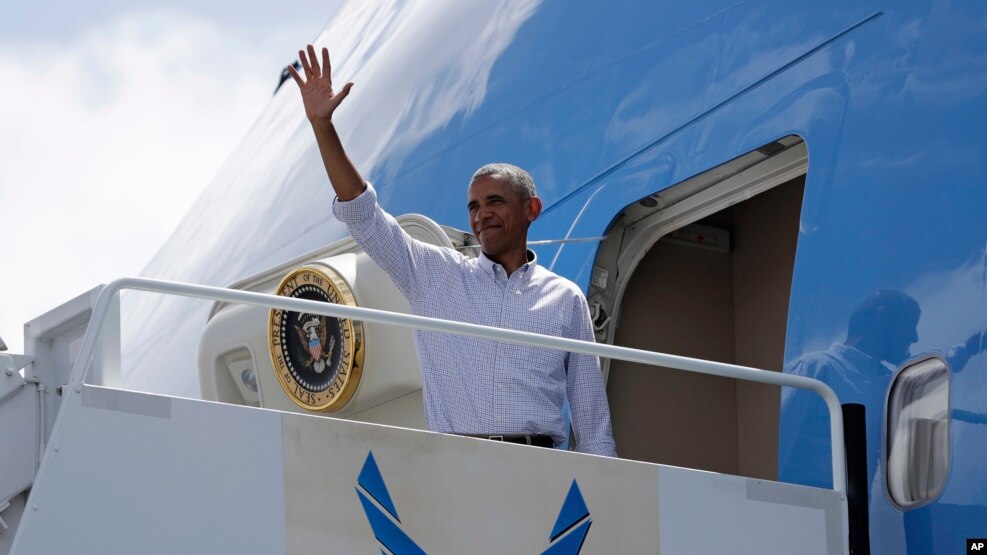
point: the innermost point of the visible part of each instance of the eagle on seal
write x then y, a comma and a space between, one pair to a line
314, 334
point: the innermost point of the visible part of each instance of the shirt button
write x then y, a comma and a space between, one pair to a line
499, 419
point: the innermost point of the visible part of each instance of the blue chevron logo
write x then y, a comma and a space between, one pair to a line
386, 527
567, 537
574, 516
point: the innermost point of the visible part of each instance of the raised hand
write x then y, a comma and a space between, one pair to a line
317, 95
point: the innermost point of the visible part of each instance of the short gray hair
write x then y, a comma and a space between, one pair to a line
517, 177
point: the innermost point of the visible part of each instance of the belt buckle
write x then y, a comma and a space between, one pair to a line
496, 438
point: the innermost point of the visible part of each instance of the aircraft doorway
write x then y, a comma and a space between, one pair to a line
711, 283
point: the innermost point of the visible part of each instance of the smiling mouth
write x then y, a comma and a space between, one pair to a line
488, 228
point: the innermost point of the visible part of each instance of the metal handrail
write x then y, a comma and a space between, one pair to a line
109, 293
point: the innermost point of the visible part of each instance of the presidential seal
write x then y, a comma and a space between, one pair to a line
318, 359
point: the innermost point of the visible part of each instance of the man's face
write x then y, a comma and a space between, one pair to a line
499, 216
900, 333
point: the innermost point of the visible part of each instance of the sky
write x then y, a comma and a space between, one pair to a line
114, 116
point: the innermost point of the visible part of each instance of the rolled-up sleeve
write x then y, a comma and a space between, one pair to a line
357, 211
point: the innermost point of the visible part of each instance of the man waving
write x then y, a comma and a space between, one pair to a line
472, 386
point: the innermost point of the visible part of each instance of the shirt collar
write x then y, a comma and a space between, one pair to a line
489, 265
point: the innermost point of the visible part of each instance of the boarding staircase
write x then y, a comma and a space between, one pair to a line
123, 472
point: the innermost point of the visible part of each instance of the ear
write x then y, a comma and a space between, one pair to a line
534, 208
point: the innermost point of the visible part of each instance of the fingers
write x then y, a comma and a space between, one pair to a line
304, 60
310, 63
314, 61
295, 76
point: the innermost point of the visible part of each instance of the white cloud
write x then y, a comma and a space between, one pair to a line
106, 142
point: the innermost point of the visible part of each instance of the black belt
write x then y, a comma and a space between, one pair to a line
536, 440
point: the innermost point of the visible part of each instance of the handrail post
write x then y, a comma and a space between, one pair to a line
88, 348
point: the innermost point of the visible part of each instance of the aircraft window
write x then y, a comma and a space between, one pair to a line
918, 432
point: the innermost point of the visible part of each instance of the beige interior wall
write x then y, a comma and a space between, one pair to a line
728, 307
668, 416
765, 233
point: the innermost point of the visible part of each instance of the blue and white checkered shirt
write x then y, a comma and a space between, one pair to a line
478, 386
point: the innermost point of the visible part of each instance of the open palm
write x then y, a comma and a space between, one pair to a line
317, 95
